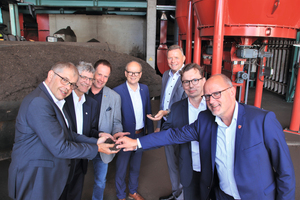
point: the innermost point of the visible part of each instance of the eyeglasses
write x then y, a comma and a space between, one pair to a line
193, 81
86, 78
215, 95
64, 81
133, 73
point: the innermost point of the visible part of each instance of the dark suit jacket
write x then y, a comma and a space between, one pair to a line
128, 117
43, 146
90, 118
178, 118
263, 167
177, 93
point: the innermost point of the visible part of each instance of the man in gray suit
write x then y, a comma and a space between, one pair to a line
171, 92
110, 121
44, 140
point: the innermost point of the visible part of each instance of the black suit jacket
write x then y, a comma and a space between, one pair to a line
44, 145
178, 118
90, 116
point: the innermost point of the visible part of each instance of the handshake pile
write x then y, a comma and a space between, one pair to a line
113, 144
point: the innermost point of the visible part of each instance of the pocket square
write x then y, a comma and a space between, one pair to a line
108, 109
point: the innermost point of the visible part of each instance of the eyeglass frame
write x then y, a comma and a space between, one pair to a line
207, 96
65, 81
86, 78
187, 82
132, 73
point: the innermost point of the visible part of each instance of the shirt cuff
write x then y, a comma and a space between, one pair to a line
139, 143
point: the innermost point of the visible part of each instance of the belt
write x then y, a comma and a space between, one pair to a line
139, 131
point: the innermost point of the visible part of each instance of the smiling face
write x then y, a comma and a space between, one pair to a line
84, 82
224, 106
175, 59
102, 74
193, 91
133, 73
59, 90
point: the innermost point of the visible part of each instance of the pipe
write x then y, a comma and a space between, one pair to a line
197, 43
218, 38
295, 119
260, 79
189, 33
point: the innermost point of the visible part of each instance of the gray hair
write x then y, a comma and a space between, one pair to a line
173, 47
85, 66
60, 66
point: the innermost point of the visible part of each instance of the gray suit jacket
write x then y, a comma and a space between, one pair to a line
110, 120
44, 145
177, 93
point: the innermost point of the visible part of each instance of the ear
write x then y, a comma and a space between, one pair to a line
50, 75
183, 59
233, 91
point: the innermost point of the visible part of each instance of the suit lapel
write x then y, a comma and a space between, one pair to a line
104, 104
185, 111
239, 129
128, 98
71, 110
214, 128
85, 117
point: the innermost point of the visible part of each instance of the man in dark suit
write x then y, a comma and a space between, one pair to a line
44, 145
171, 92
243, 150
186, 112
84, 113
135, 106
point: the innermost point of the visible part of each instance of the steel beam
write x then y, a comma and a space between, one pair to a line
91, 3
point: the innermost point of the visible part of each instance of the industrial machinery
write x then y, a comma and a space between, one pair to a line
245, 40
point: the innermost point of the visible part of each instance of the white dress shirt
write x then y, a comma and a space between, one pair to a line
137, 104
193, 115
78, 107
169, 88
225, 155
59, 103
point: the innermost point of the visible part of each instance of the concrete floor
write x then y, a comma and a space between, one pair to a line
154, 178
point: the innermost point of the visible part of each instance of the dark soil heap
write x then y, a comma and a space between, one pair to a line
24, 65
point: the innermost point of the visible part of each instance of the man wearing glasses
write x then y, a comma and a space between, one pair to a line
135, 106
244, 154
45, 141
84, 113
186, 112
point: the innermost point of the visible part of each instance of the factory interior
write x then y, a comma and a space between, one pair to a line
254, 43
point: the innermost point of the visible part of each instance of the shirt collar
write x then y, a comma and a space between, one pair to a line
201, 105
76, 98
129, 88
234, 117
176, 73
59, 103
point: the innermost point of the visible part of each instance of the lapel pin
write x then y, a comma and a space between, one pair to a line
239, 126
86, 113
104, 95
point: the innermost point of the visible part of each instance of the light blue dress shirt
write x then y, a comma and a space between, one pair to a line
225, 155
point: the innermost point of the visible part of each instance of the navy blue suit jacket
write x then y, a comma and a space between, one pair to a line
44, 145
263, 167
128, 117
179, 117
90, 117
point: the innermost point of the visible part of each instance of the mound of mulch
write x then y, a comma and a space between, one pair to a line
24, 65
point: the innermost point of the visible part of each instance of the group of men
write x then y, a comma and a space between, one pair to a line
228, 151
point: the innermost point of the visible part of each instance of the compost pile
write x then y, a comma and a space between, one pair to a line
24, 65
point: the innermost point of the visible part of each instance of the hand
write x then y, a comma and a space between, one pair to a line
157, 130
105, 148
120, 134
158, 116
127, 143
103, 137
